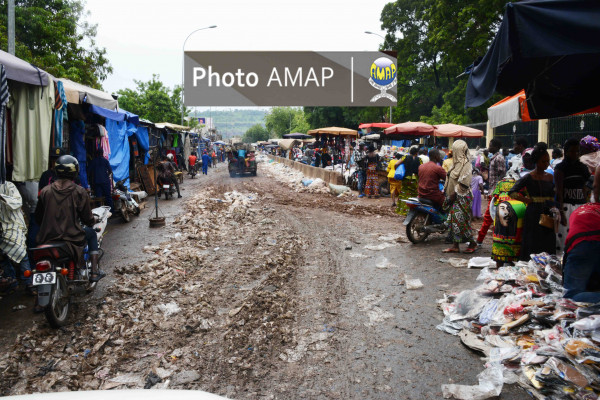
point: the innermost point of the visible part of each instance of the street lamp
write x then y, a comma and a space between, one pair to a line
183, 61
377, 34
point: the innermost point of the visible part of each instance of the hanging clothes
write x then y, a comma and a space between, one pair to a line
118, 136
3, 103
60, 112
176, 140
104, 142
78, 149
31, 109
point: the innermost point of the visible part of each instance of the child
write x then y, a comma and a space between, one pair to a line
477, 189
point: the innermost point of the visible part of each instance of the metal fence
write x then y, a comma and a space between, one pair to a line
576, 126
509, 132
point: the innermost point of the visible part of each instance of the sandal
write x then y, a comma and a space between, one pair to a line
451, 250
95, 277
470, 250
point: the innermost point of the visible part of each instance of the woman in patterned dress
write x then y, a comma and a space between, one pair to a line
372, 184
459, 199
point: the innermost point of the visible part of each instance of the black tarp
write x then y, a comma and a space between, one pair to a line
550, 48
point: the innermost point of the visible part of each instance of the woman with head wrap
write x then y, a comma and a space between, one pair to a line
460, 199
590, 156
539, 199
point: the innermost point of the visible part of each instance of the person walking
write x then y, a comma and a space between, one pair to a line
205, 162
540, 198
447, 163
570, 177
359, 159
459, 199
477, 189
508, 223
373, 165
395, 185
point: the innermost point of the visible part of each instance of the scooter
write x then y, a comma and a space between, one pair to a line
423, 219
57, 277
126, 205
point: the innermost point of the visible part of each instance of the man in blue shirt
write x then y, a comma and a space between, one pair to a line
99, 170
206, 159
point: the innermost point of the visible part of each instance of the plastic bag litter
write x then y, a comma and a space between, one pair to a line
490, 384
481, 262
469, 304
168, 309
338, 189
307, 182
412, 284
590, 323
455, 262
381, 246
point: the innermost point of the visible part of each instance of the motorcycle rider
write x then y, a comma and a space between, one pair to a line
430, 175
166, 173
192, 161
60, 208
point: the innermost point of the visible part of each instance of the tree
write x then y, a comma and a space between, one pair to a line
54, 36
153, 101
435, 41
256, 133
283, 120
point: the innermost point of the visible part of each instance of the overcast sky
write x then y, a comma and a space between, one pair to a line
144, 37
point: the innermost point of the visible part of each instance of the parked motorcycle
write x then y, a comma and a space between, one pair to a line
423, 219
124, 202
57, 277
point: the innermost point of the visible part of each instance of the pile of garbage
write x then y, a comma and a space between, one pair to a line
198, 313
294, 179
529, 334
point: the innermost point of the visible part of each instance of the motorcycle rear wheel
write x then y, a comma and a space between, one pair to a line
57, 311
415, 229
124, 212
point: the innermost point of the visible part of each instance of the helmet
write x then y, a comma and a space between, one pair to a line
66, 167
170, 156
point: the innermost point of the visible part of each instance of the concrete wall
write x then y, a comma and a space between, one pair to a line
310, 171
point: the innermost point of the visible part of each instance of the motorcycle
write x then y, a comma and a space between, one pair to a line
168, 188
423, 219
124, 202
193, 171
57, 277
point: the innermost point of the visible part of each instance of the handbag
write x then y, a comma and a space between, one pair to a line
546, 221
400, 172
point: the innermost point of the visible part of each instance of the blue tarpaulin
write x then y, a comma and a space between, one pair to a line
115, 115
118, 137
143, 141
551, 49
78, 149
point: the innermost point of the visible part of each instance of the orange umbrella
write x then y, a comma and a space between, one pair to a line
410, 128
452, 130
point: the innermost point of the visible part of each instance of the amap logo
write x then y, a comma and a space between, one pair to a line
383, 77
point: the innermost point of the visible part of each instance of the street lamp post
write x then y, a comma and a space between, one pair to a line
183, 62
377, 34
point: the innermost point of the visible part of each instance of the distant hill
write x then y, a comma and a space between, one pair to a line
234, 122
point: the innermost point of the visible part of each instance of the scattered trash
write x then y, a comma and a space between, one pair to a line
381, 246
338, 189
168, 309
348, 246
482, 262
19, 307
490, 385
389, 237
455, 262
518, 318
412, 284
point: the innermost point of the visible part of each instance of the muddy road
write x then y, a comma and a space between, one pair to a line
253, 290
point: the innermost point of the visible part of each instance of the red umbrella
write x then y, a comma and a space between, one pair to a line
452, 130
410, 128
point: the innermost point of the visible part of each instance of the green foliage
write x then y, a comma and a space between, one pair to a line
53, 35
283, 120
256, 133
347, 117
153, 101
435, 41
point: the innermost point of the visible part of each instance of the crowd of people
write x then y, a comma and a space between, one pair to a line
535, 203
